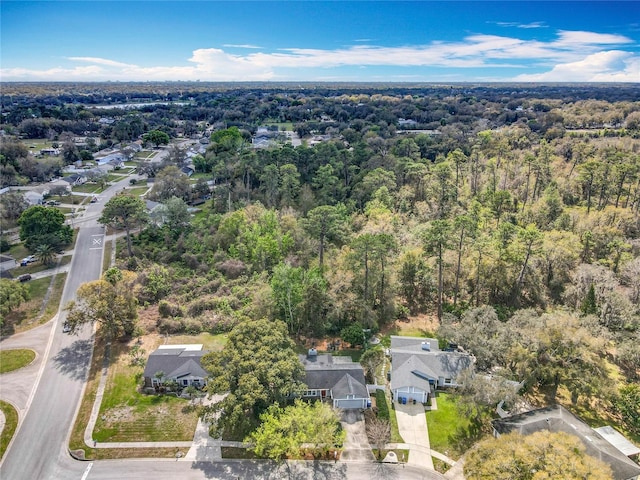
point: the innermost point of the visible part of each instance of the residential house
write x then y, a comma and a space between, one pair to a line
52, 152
338, 379
187, 170
407, 123
179, 363
116, 160
419, 367
264, 138
558, 419
75, 179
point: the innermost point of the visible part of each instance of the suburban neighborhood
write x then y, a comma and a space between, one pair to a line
350, 281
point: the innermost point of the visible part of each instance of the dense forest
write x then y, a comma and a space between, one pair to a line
509, 212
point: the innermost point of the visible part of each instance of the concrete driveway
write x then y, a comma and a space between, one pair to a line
356, 446
412, 424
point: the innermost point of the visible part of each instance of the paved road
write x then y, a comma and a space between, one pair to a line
254, 470
40, 442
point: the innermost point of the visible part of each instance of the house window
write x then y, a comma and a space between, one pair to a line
448, 381
351, 396
185, 383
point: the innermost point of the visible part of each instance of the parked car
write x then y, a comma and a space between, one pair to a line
24, 278
27, 260
66, 328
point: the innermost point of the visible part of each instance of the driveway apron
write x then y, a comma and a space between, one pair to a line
356, 444
412, 424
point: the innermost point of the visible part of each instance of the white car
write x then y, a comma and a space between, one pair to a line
66, 328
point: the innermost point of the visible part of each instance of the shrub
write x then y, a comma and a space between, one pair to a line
192, 326
4, 245
170, 325
232, 268
166, 309
381, 403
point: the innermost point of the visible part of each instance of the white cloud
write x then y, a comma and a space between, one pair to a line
609, 66
521, 25
571, 56
100, 61
242, 45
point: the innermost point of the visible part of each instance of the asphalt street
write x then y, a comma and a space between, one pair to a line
42, 434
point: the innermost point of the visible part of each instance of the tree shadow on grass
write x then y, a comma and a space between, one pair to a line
465, 437
73, 360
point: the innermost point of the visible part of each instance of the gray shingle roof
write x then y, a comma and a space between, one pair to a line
413, 343
339, 374
557, 419
175, 363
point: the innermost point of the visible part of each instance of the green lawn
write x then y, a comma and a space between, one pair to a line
145, 155
69, 199
126, 415
11, 417
138, 190
89, 188
14, 359
446, 425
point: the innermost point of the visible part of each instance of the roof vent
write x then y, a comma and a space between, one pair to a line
426, 346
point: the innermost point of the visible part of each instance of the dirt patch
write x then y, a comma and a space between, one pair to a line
148, 319
330, 344
117, 415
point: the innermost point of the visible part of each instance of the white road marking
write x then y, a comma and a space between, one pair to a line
86, 472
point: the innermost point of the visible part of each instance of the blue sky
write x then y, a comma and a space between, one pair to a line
414, 41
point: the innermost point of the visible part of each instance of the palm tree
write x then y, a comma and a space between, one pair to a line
46, 254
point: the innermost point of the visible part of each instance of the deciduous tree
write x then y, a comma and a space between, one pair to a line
258, 367
44, 226
289, 432
156, 137
110, 302
12, 295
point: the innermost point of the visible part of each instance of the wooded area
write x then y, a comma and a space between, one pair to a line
512, 213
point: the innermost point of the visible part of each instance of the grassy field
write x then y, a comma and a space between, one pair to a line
446, 424
126, 415
14, 359
38, 143
281, 125
11, 417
